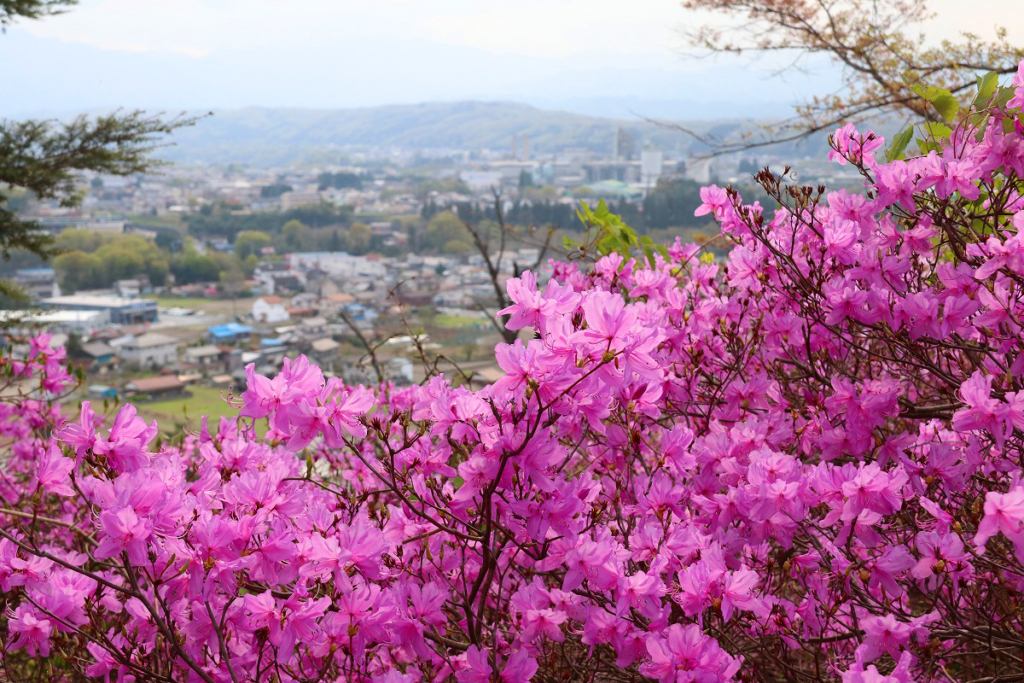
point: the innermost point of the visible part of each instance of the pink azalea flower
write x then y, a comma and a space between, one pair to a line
53, 472
1004, 513
519, 668
123, 531
476, 668
31, 632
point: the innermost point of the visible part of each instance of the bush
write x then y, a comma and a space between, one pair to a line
804, 465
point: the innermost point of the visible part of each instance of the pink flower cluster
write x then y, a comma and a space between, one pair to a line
804, 463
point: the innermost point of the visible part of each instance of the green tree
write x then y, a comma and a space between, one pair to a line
250, 263
525, 179
457, 247
44, 157
359, 238
122, 256
295, 234
78, 270
444, 228
336, 244
120, 261
190, 267
425, 187
274, 191
83, 240
74, 345
671, 204
31, 9
250, 242
232, 281
168, 239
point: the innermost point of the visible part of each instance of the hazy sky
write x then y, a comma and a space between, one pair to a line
587, 55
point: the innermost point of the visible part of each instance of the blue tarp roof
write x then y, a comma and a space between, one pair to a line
229, 330
271, 341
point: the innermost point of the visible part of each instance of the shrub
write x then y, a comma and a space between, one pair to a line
804, 465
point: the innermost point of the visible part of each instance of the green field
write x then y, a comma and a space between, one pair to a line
179, 302
189, 411
457, 321
210, 306
203, 401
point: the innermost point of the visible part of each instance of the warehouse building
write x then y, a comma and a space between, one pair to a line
120, 310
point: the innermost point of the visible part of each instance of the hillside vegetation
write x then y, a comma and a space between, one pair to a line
279, 136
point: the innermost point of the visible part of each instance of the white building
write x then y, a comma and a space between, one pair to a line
269, 309
313, 326
480, 181
84, 323
292, 200
698, 170
202, 355
651, 163
149, 350
129, 289
337, 264
38, 283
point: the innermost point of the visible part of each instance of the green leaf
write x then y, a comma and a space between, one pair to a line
979, 121
929, 92
987, 85
941, 99
938, 131
1003, 96
899, 144
947, 106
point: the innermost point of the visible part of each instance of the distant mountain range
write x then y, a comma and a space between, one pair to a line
270, 137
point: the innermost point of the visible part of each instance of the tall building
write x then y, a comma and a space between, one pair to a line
622, 145
699, 170
651, 163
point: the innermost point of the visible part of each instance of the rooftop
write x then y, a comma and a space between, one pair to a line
50, 318
317, 321
151, 340
229, 330
98, 301
205, 350
325, 345
97, 349
147, 384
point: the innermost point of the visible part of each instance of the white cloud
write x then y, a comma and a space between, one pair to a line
529, 27
538, 28
336, 53
556, 29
